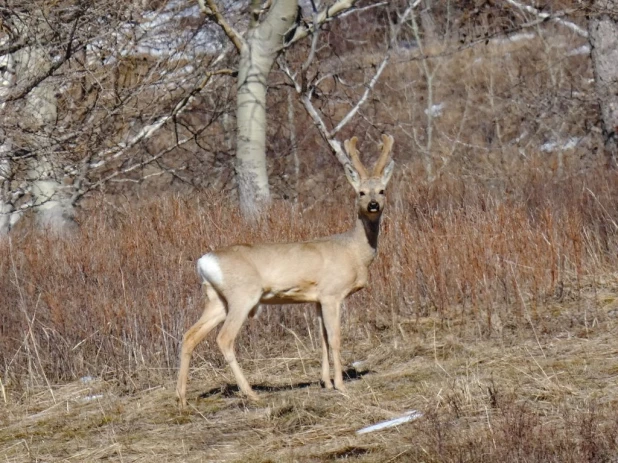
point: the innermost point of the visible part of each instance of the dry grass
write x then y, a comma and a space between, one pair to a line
493, 317
117, 297
510, 398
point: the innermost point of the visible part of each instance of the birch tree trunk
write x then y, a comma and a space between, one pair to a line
52, 205
7, 209
37, 121
427, 23
7, 81
603, 33
257, 55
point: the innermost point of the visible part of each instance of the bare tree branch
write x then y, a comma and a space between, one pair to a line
133, 167
212, 10
149, 130
550, 17
363, 98
324, 16
307, 93
70, 50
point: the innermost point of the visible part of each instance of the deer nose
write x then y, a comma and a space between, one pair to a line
373, 206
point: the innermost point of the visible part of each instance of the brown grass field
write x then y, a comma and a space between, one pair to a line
515, 398
495, 319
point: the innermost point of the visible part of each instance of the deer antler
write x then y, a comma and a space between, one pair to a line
350, 147
387, 146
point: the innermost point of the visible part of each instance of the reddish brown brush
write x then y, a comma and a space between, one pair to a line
117, 296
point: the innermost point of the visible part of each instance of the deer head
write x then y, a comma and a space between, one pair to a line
370, 188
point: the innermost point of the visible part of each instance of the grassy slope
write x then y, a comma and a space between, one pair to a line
520, 395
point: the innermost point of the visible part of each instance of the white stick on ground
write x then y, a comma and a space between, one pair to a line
409, 416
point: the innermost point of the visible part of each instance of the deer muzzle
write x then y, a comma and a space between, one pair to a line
373, 206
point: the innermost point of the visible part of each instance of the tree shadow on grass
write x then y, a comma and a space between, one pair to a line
230, 390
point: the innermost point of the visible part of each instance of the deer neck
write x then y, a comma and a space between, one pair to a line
366, 234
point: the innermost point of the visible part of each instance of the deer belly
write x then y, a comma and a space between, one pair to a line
304, 292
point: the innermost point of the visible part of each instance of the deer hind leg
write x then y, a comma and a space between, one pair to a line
239, 306
325, 366
332, 322
214, 313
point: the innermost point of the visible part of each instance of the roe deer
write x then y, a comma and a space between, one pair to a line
325, 270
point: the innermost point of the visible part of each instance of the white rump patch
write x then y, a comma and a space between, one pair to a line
209, 269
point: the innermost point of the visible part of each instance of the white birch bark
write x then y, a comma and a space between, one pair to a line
427, 23
603, 34
39, 113
257, 55
7, 208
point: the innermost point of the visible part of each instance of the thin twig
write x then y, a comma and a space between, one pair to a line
550, 17
213, 11
145, 133
307, 93
363, 98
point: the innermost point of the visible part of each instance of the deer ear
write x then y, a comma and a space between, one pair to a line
387, 172
352, 176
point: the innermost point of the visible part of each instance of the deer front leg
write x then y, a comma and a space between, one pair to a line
325, 366
332, 322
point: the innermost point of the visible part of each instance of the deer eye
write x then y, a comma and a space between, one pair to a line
362, 193
381, 192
